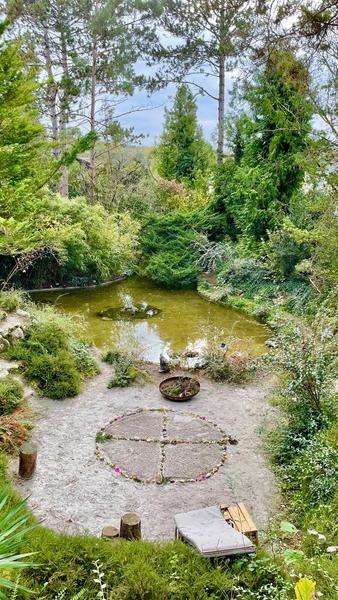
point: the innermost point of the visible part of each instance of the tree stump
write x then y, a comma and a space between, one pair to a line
27, 460
130, 526
109, 532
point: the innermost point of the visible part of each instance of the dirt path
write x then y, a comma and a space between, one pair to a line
73, 491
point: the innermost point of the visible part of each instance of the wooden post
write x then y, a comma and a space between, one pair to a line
109, 532
27, 460
130, 526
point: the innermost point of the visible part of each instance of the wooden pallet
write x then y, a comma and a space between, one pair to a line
239, 517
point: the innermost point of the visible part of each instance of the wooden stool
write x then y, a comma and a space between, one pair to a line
239, 517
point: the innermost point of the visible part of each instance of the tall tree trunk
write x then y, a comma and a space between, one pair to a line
52, 90
63, 181
221, 88
92, 168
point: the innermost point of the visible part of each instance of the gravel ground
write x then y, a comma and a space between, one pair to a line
73, 491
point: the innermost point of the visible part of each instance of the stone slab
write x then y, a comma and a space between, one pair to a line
143, 425
189, 428
188, 461
134, 458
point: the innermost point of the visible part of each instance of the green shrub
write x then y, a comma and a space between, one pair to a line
311, 477
11, 300
56, 376
169, 254
51, 355
232, 367
124, 369
144, 571
11, 395
85, 363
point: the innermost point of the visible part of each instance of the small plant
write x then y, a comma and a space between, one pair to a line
124, 370
13, 432
102, 437
84, 361
11, 300
183, 387
13, 528
11, 395
226, 366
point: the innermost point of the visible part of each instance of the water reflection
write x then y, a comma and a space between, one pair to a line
184, 319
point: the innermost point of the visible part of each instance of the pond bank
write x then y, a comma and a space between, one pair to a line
74, 492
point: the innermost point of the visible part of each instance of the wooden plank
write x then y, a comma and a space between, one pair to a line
240, 518
247, 516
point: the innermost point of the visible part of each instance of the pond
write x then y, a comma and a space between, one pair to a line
171, 320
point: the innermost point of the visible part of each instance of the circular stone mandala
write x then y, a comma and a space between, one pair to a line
162, 445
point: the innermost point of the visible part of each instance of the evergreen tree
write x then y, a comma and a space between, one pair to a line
206, 38
20, 130
275, 135
183, 154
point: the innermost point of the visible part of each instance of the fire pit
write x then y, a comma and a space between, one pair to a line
179, 389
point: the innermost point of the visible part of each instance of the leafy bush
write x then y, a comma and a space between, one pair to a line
305, 360
11, 395
124, 369
245, 274
85, 363
170, 257
51, 355
311, 477
55, 375
11, 300
233, 367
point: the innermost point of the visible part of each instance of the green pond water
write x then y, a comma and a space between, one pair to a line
183, 319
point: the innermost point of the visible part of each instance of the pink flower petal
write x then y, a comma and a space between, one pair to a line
117, 470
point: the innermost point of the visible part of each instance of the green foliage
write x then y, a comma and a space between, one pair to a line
55, 375
170, 256
44, 236
51, 356
84, 362
311, 476
255, 191
125, 371
182, 154
20, 131
144, 570
11, 394
13, 529
11, 300
231, 367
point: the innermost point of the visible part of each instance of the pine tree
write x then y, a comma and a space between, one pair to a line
183, 154
20, 131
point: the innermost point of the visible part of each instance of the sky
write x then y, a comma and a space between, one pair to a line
150, 122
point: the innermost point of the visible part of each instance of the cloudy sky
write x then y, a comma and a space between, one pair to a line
150, 122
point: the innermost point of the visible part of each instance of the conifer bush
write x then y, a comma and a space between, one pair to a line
11, 394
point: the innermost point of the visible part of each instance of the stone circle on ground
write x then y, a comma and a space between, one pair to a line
162, 446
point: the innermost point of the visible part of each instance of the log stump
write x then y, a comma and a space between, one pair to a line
130, 526
110, 533
27, 460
